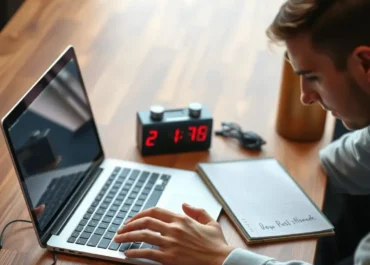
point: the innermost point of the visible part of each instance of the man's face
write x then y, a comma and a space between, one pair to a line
338, 92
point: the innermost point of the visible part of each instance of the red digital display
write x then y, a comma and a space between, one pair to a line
179, 135
194, 133
150, 140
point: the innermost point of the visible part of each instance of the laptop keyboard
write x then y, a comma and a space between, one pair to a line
125, 193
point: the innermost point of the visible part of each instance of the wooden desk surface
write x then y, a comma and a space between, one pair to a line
141, 52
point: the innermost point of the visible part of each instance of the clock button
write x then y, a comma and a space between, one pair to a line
195, 109
156, 113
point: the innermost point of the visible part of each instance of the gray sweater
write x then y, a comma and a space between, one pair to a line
347, 163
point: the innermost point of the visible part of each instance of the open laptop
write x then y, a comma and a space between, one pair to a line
77, 198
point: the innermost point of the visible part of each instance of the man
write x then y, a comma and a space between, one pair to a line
328, 45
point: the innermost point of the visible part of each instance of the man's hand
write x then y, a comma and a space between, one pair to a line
186, 240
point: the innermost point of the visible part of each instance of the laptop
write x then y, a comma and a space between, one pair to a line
76, 196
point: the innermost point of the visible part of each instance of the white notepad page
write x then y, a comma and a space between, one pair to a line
265, 199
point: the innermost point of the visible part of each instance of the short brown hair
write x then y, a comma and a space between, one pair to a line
336, 27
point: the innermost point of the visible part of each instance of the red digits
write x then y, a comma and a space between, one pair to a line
202, 133
177, 136
193, 131
153, 134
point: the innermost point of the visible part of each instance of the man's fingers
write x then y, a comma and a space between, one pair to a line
157, 213
151, 254
142, 236
144, 223
197, 214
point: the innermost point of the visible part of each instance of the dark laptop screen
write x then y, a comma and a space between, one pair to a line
54, 141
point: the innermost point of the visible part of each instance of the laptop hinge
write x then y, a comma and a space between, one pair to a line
63, 217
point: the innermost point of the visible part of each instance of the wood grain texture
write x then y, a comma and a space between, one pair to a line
135, 53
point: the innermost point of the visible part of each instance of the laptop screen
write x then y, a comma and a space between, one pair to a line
54, 140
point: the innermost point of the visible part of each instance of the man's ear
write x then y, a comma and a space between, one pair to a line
362, 55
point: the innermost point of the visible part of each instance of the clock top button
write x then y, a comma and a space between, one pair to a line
195, 109
156, 113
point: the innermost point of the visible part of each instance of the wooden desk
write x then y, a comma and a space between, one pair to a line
141, 52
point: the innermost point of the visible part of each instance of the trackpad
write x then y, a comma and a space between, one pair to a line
210, 204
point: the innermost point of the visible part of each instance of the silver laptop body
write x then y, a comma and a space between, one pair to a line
76, 197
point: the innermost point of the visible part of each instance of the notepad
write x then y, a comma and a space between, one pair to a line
263, 200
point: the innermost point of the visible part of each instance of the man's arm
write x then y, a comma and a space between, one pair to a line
346, 161
245, 257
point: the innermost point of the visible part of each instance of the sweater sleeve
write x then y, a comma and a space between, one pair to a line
362, 256
245, 257
347, 162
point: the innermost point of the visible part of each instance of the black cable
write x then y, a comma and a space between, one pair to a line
248, 140
2, 233
22, 221
54, 258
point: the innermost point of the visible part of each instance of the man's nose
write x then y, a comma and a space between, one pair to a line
308, 94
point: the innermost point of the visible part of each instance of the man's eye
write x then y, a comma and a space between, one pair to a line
311, 78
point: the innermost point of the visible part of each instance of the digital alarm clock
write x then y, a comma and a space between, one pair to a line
161, 131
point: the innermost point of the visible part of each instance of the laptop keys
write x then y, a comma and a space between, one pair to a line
104, 243
83, 222
97, 217
129, 202
91, 210
89, 229
125, 208
100, 211
104, 205
79, 228
71, 239
103, 225
135, 173
118, 221
114, 246
94, 240
75, 234
117, 203
107, 219
153, 200
108, 200
124, 173
131, 214
109, 235
124, 189
87, 216
135, 245
114, 208
110, 213
139, 202
146, 245
144, 176
113, 228
124, 247
153, 178
93, 223
116, 170
81, 241
99, 231
85, 235
121, 215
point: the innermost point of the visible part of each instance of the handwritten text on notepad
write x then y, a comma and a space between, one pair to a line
285, 223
